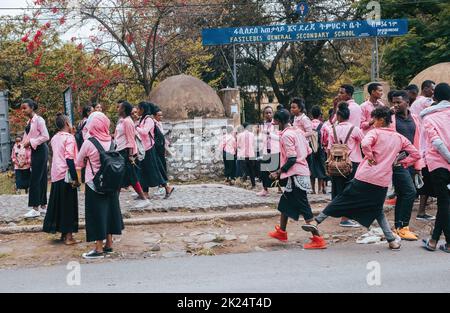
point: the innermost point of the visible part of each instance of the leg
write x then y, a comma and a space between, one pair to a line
441, 178
384, 224
406, 194
283, 222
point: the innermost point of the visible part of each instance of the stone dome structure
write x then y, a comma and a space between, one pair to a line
184, 97
439, 73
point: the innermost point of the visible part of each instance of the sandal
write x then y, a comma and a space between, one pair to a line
427, 245
169, 194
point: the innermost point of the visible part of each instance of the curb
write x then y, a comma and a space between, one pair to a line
161, 220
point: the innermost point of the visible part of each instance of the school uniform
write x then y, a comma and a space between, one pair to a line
152, 170
62, 211
162, 154
437, 132
316, 160
21, 159
103, 216
271, 153
37, 134
338, 184
246, 153
366, 114
294, 201
303, 123
355, 113
363, 198
228, 147
125, 140
420, 104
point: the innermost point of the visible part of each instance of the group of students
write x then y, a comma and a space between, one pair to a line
404, 145
134, 147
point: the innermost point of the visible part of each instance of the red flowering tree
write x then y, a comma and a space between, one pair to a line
144, 33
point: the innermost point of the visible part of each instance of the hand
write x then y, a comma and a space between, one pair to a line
132, 159
274, 175
372, 162
76, 184
26, 144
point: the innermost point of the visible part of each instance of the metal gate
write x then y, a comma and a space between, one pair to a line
5, 140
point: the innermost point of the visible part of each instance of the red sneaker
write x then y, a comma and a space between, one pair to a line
391, 202
316, 243
279, 234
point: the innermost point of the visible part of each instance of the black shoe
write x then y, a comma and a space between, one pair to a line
426, 218
108, 250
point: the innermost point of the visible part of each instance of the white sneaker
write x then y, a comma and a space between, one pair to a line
160, 192
32, 214
142, 204
43, 211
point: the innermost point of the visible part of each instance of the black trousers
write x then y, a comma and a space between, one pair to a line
229, 161
441, 179
406, 194
249, 168
38, 180
338, 184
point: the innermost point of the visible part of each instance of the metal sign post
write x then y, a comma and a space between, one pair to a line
68, 107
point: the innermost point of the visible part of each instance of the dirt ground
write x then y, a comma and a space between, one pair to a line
173, 240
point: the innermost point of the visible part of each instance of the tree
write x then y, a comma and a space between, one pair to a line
146, 33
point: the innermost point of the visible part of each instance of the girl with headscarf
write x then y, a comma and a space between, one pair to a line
103, 215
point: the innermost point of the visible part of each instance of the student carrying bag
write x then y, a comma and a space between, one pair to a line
112, 170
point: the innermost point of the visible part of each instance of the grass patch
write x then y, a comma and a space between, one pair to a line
7, 183
3, 255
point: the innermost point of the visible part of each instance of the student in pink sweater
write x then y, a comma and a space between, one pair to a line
21, 160
376, 93
295, 172
62, 213
363, 199
437, 156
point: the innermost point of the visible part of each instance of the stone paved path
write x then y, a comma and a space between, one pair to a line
194, 198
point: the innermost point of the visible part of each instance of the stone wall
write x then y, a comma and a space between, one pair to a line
193, 151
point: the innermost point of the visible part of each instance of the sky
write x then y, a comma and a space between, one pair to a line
5, 9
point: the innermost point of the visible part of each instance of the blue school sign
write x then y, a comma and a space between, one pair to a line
304, 32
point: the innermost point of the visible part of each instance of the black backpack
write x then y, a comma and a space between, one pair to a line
112, 170
79, 134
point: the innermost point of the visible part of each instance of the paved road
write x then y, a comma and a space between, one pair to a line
339, 269
195, 198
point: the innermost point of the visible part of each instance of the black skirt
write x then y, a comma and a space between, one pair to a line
130, 178
103, 216
316, 163
427, 189
295, 204
22, 179
270, 164
152, 170
62, 211
359, 201
38, 180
